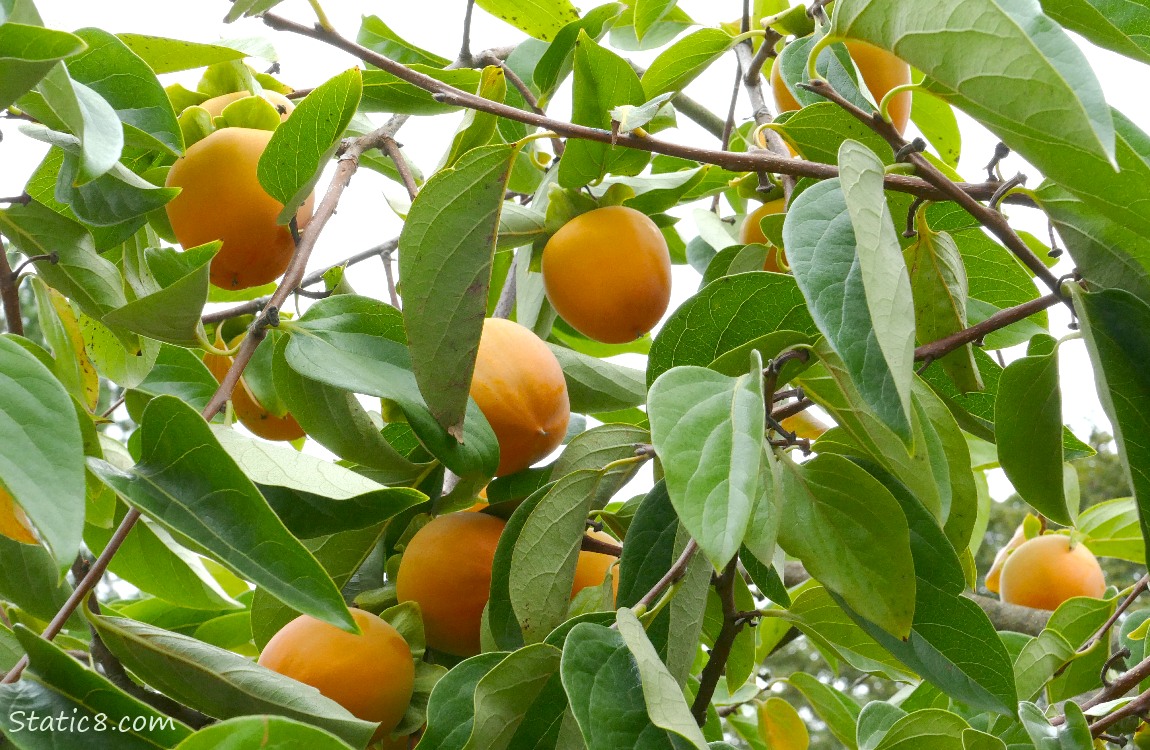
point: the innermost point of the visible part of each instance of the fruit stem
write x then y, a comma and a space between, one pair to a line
320, 16
884, 105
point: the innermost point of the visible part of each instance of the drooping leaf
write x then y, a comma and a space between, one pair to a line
1120, 26
89, 118
708, 430
477, 128
165, 55
27, 53
378, 36
172, 313
451, 710
1111, 529
507, 694
445, 261
186, 481
294, 159
685, 60
556, 61
838, 710
1028, 431
40, 438
842, 247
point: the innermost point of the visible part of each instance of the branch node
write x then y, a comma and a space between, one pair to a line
917, 146
1001, 151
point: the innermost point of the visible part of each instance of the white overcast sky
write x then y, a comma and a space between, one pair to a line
364, 218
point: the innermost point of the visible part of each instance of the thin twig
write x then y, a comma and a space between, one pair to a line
391, 148
465, 58
988, 217
593, 544
676, 573
506, 301
752, 161
390, 277
10, 294
721, 650
52, 257
1001, 319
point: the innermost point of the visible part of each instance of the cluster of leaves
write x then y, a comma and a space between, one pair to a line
238, 536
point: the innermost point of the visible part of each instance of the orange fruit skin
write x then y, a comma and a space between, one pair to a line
252, 415
215, 105
805, 425
608, 274
752, 232
519, 386
592, 567
1044, 572
13, 523
881, 72
371, 675
446, 569
994, 575
222, 199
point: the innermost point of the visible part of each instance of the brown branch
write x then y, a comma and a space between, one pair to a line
1138, 589
721, 650
524, 91
10, 294
591, 544
348, 163
672, 576
757, 161
390, 147
465, 46
988, 217
1001, 319
506, 302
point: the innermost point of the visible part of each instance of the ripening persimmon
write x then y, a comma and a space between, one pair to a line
592, 567
372, 675
446, 570
1047, 570
215, 105
221, 199
248, 410
13, 523
608, 274
994, 575
752, 232
519, 387
881, 71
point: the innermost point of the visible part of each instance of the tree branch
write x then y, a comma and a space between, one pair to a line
988, 217
10, 294
757, 161
1001, 319
721, 650
675, 574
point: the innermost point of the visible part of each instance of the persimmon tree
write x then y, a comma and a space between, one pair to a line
870, 337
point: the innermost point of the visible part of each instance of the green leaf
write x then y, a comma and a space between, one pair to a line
837, 710
477, 128
311, 496
954, 646
851, 535
650, 12
27, 54
666, 705
734, 315
445, 262
58, 686
927, 729
598, 669
354, 343
1071, 116
451, 711
623, 34
1067, 630
631, 118
165, 55
220, 683
938, 280
185, 479
836, 636
384, 92
30, 578
126, 82
262, 733
505, 695
335, 419
378, 36
556, 61
542, 565
685, 60
172, 313
294, 159
655, 540
595, 385
1116, 326
116, 197
972, 739
818, 130
1114, 24
541, 19
341, 555
603, 81
1028, 431
708, 430
845, 255
88, 117
40, 438
1110, 529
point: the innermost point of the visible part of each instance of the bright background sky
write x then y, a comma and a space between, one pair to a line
364, 218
